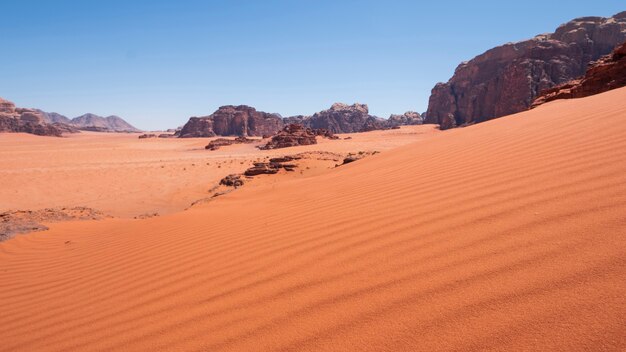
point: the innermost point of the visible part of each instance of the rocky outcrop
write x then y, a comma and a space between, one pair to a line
92, 122
232, 120
24, 221
13, 119
221, 142
408, 118
261, 169
232, 180
291, 136
197, 127
322, 132
506, 79
609, 72
268, 168
243, 120
343, 118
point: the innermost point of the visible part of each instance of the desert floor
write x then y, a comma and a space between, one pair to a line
509, 235
124, 176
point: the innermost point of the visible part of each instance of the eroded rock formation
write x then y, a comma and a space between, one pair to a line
343, 118
232, 120
408, 118
243, 120
291, 136
221, 142
232, 180
609, 72
14, 119
197, 127
506, 79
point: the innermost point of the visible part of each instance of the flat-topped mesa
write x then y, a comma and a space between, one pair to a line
13, 119
344, 118
506, 79
609, 72
230, 120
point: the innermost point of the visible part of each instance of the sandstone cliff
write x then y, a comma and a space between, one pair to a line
605, 74
244, 120
232, 120
506, 79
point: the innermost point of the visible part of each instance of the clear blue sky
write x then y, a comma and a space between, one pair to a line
156, 63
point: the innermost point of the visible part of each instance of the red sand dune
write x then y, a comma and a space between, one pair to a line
509, 235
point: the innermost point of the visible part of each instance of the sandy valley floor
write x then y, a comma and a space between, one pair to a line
509, 235
124, 176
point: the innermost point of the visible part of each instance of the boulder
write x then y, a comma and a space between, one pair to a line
232, 180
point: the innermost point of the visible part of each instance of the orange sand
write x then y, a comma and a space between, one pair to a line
122, 175
509, 235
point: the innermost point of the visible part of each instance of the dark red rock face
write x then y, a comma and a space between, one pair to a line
506, 79
197, 127
232, 120
343, 118
602, 75
243, 120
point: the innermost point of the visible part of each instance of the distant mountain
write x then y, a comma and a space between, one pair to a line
92, 122
53, 117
